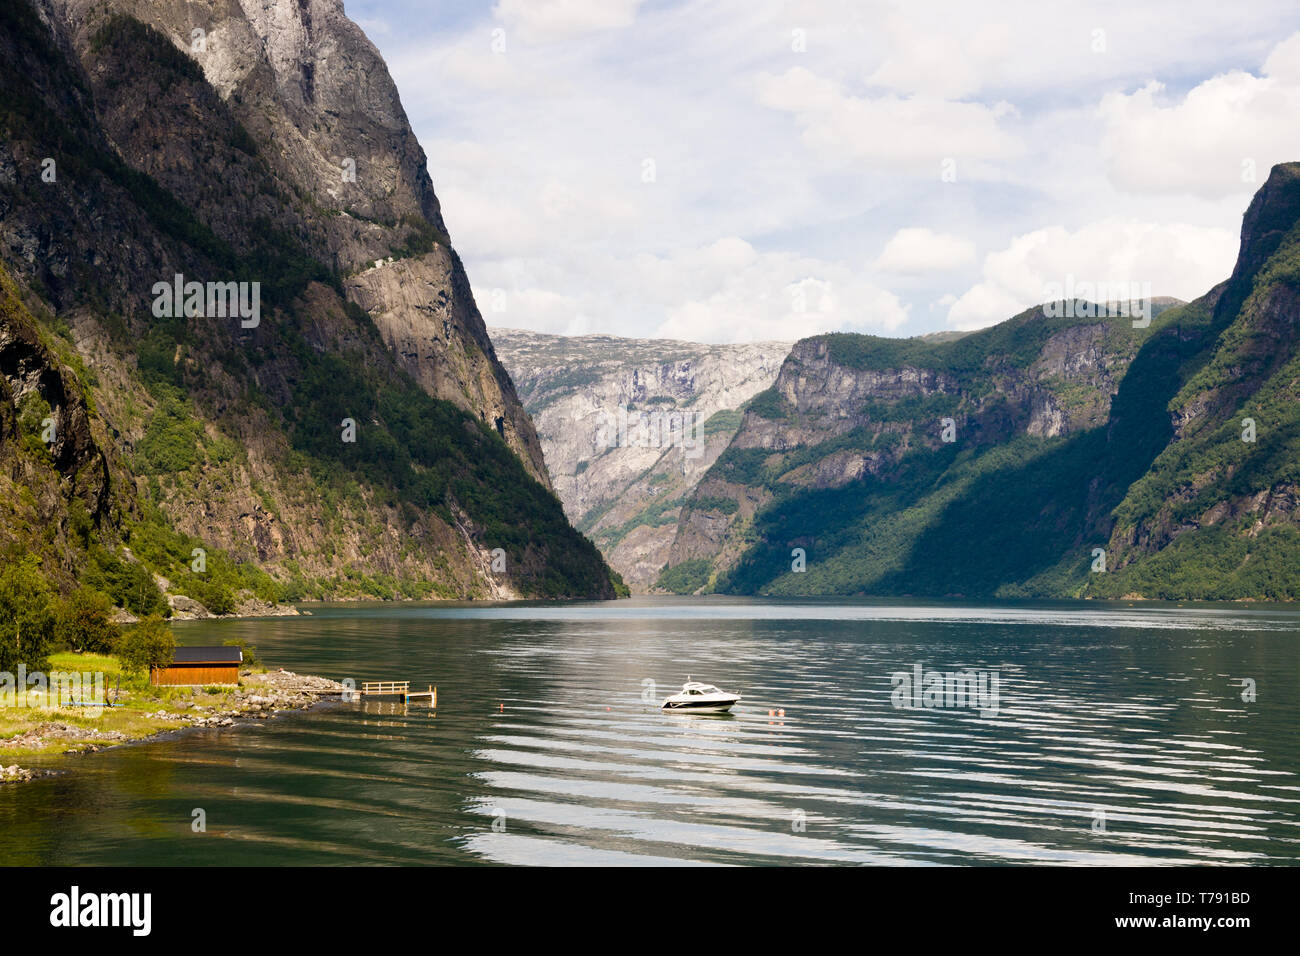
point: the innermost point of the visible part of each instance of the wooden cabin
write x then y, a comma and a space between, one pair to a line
200, 665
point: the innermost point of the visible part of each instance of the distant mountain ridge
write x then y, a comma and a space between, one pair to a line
1087, 458
627, 494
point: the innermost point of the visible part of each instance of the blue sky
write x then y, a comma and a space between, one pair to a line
732, 170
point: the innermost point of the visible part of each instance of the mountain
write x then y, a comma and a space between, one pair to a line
861, 439
1088, 458
1069, 436
332, 423
1217, 513
626, 493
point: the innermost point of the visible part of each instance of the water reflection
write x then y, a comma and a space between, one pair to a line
1121, 737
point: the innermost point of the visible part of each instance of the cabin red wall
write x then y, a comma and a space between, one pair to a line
196, 674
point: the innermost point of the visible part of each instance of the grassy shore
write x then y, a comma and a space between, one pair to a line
41, 728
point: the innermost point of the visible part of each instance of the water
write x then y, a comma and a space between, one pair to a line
1131, 713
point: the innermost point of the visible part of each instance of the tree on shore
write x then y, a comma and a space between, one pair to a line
27, 617
84, 621
148, 644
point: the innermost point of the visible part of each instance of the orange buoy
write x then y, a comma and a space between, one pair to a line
781, 712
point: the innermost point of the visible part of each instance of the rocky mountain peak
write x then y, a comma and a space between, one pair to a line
1269, 217
351, 442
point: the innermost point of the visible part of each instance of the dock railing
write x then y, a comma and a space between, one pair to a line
387, 687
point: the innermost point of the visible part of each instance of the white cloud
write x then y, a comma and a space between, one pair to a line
955, 49
539, 309
544, 21
897, 132
724, 291
1221, 138
741, 295
1283, 64
1178, 260
816, 164
916, 250
948, 65
478, 67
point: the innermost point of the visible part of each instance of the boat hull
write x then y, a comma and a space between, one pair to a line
700, 707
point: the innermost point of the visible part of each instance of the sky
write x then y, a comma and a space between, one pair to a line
744, 170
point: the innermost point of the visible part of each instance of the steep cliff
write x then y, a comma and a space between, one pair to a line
626, 490
1084, 458
311, 140
356, 437
58, 473
1217, 515
863, 442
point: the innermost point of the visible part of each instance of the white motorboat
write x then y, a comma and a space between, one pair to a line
697, 698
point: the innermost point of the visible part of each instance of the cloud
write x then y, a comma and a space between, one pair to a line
947, 65
724, 291
1179, 260
479, 67
546, 21
742, 295
781, 171
897, 132
917, 250
1221, 138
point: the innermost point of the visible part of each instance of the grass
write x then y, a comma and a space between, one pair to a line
134, 720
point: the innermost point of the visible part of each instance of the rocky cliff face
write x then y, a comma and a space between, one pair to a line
304, 78
55, 456
425, 312
361, 438
626, 490
1042, 457
1217, 512
848, 409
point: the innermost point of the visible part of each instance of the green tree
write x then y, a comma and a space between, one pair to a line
84, 621
26, 616
687, 577
148, 644
248, 650
128, 583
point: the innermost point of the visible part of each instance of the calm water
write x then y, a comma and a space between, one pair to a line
1133, 713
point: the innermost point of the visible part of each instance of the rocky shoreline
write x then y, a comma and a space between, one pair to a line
185, 608
260, 696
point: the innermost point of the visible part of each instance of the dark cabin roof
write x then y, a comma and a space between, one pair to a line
208, 655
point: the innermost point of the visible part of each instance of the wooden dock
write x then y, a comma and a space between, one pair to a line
398, 688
